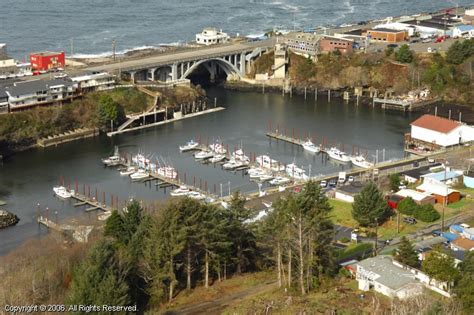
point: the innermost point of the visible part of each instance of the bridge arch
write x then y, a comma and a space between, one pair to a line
225, 65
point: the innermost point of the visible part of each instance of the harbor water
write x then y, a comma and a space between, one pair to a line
28, 178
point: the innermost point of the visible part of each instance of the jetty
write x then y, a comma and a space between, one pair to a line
79, 233
67, 136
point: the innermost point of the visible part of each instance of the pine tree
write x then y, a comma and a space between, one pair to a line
242, 236
440, 266
370, 207
465, 286
406, 253
114, 225
99, 279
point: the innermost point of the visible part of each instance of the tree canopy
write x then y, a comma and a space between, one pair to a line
404, 54
406, 253
370, 207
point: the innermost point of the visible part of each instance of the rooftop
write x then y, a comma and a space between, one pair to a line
430, 242
463, 243
351, 189
418, 172
437, 189
386, 30
415, 195
442, 176
386, 273
436, 123
30, 87
465, 28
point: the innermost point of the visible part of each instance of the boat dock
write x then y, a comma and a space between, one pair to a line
92, 203
79, 233
282, 137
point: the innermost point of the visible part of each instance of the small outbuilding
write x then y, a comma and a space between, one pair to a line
442, 193
348, 192
419, 197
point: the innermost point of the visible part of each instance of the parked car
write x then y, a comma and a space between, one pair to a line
431, 160
430, 50
392, 45
426, 40
402, 186
436, 233
416, 164
332, 183
350, 179
323, 184
413, 41
409, 220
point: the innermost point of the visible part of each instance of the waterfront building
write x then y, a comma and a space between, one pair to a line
331, 44
439, 131
211, 36
46, 61
468, 17
387, 35
397, 26
3, 51
463, 31
310, 45
94, 82
27, 94
7, 66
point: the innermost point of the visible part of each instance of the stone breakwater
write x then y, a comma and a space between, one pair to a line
7, 219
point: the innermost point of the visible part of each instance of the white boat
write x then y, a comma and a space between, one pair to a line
114, 159
360, 161
217, 158
140, 174
233, 164
311, 147
141, 161
255, 173
62, 192
128, 171
196, 195
294, 171
217, 148
104, 216
240, 155
266, 177
181, 191
266, 162
168, 172
338, 155
191, 145
279, 180
202, 155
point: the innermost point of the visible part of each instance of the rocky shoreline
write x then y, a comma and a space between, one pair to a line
7, 219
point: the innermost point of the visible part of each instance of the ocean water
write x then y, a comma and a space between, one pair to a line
36, 25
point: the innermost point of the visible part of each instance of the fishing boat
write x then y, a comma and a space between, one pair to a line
338, 155
202, 155
140, 160
266, 177
255, 172
217, 148
168, 172
266, 162
140, 174
279, 180
217, 158
191, 145
240, 156
311, 147
114, 159
128, 171
181, 191
294, 171
62, 192
233, 164
360, 161
196, 195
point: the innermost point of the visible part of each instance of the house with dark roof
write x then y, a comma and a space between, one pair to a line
414, 175
26, 94
348, 192
439, 131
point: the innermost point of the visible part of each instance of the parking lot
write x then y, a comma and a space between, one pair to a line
418, 47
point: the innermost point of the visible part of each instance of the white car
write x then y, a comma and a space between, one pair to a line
323, 184
429, 50
350, 179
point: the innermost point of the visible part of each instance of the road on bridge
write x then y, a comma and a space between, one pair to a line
169, 58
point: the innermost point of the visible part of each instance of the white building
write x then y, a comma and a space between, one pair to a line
441, 131
398, 27
211, 36
382, 275
95, 82
463, 31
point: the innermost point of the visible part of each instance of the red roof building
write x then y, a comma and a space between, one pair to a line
437, 130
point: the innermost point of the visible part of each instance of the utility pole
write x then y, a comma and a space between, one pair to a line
114, 45
72, 47
375, 245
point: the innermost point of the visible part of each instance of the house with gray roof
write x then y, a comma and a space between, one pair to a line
382, 275
24, 94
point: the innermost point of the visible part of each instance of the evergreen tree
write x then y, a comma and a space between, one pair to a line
394, 181
465, 286
404, 54
99, 279
242, 236
426, 213
440, 266
406, 253
114, 225
407, 206
370, 207
110, 110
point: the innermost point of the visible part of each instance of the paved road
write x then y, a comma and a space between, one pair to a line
167, 58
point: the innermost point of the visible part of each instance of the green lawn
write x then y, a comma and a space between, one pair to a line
463, 204
352, 250
341, 213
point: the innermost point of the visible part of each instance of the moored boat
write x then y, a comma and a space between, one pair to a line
62, 192
140, 174
218, 148
217, 158
294, 171
338, 155
128, 171
191, 145
180, 191
266, 162
240, 155
311, 147
279, 180
168, 172
202, 155
360, 161
233, 164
